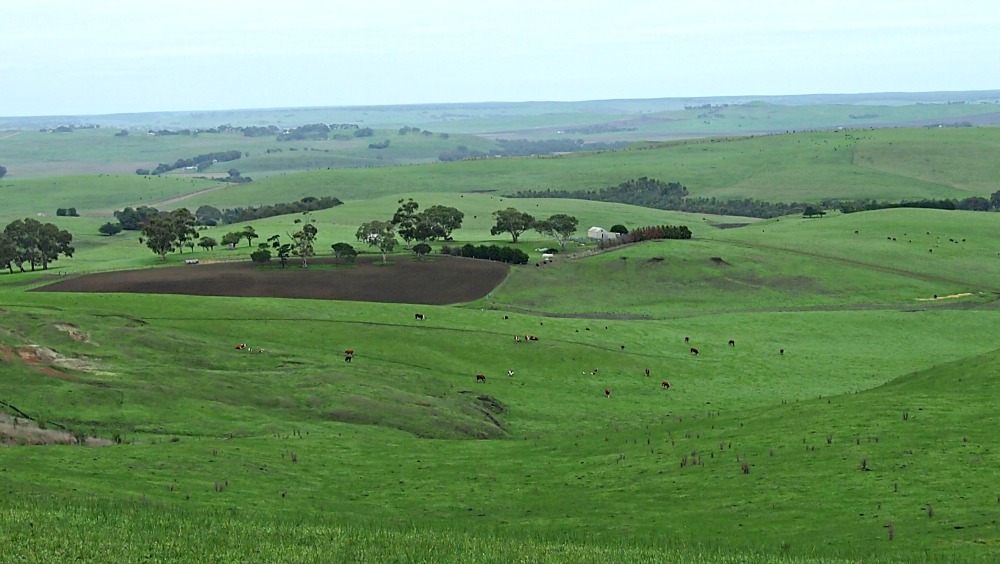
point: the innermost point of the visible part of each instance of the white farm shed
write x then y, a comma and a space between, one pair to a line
600, 234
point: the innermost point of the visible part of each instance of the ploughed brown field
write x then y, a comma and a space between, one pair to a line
437, 280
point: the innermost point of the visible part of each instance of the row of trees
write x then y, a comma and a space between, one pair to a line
652, 193
28, 241
972, 203
497, 253
201, 162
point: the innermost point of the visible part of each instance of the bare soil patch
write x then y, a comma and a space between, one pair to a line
437, 280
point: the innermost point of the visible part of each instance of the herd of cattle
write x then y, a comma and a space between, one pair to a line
665, 385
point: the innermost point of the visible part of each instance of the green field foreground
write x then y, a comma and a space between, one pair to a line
853, 418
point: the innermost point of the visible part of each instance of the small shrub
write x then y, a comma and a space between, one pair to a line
890, 530
930, 511
829, 439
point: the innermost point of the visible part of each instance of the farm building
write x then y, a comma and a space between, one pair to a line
600, 234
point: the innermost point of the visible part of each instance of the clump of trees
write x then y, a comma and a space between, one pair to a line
3, 171
559, 226
168, 232
241, 215
28, 241
436, 222
63, 212
497, 253
653, 232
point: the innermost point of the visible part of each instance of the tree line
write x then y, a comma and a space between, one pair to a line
201, 162
527, 147
28, 241
132, 219
674, 196
972, 203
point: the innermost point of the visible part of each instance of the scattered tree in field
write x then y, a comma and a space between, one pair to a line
3, 171
32, 242
559, 226
619, 229
167, 232
443, 219
304, 239
812, 211
421, 249
184, 222
405, 220
207, 243
249, 234
232, 238
512, 221
110, 229
379, 234
343, 251
283, 250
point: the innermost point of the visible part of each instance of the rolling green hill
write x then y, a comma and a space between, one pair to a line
851, 420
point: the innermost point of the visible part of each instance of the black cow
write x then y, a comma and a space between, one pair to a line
732, 343
480, 378
418, 316
694, 351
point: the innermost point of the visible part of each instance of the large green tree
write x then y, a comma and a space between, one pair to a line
406, 220
443, 220
379, 234
512, 221
559, 226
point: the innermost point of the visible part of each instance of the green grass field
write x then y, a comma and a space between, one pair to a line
870, 437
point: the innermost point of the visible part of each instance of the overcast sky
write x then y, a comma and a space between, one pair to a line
108, 56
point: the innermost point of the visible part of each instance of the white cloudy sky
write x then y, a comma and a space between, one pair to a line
107, 56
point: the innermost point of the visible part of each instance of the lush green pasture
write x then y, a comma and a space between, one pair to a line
33, 154
801, 167
853, 420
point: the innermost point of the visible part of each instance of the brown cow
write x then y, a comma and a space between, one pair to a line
694, 351
241, 346
666, 385
480, 378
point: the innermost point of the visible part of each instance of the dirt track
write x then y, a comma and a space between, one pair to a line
436, 280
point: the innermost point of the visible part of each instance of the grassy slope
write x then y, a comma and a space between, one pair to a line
583, 477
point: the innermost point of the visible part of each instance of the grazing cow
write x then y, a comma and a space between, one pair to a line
594, 372
348, 355
666, 385
517, 338
241, 346
647, 373
694, 351
349, 352
510, 372
505, 317
530, 338
348, 358
623, 347
607, 392
418, 316
686, 339
732, 343
781, 351
480, 378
